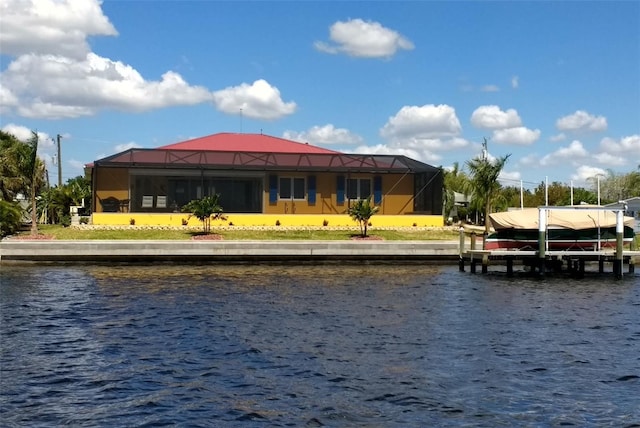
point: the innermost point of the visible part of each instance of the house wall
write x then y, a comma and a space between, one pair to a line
397, 194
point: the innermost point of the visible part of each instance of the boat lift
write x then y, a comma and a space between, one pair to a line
540, 256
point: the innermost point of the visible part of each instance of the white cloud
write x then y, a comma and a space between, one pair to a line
492, 117
382, 149
259, 100
529, 160
515, 82
566, 155
126, 146
520, 136
629, 147
490, 88
22, 133
581, 121
558, 137
363, 39
586, 173
58, 27
59, 87
510, 176
53, 73
324, 135
609, 159
428, 121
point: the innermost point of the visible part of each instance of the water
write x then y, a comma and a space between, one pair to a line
315, 346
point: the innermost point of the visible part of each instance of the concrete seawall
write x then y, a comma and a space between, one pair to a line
226, 251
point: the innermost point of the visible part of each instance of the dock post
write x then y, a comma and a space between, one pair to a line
542, 239
632, 261
485, 263
461, 262
617, 264
600, 265
473, 240
509, 266
473, 264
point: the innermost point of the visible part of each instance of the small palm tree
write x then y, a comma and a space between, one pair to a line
362, 211
483, 182
204, 209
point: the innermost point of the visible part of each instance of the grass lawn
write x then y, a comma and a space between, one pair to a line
72, 233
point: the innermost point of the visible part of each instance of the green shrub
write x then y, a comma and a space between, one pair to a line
65, 220
10, 217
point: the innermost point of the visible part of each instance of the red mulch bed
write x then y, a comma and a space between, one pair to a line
368, 238
208, 237
28, 236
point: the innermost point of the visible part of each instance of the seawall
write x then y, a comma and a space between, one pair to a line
227, 251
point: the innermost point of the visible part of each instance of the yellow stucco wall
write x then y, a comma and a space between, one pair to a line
256, 220
397, 190
397, 193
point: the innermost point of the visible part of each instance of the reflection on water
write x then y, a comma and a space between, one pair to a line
315, 346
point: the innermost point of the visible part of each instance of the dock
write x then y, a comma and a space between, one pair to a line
554, 262
543, 261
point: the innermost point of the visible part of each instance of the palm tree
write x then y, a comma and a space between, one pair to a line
204, 209
11, 182
455, 180
10, 217
362, 211
21, 171
483, 182
30, 171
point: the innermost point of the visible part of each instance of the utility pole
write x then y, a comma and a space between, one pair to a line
59, 163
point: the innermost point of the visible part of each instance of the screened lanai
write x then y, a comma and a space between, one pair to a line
308, 181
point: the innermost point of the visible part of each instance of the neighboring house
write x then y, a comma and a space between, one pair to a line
460, 200
256, 173
632, 210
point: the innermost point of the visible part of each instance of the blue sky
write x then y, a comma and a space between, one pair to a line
554, 84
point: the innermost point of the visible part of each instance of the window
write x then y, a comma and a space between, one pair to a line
358, 188
291, 188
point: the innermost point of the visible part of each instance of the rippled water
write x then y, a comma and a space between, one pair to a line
315, 346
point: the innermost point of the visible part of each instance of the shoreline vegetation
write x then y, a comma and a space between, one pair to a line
85, 232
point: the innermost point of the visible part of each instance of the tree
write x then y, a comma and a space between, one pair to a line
455, 180
11, 153
204, 209
21, 171
361, 211
10, 217
483, 181
33, 172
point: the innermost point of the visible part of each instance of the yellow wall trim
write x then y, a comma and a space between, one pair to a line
255, 220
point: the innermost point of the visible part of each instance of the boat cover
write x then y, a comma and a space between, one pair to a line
576, 219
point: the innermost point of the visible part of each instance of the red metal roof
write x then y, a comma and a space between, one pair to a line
229, 142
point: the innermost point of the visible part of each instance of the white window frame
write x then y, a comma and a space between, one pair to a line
292, 181
358, 189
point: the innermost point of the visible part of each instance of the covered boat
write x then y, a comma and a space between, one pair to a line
567, 229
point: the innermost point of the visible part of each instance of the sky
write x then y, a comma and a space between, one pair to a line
555, 85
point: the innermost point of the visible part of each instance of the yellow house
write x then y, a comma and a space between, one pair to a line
262, 180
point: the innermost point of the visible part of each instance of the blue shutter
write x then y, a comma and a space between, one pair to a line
311, 182
273, 189
377, 190
340, 190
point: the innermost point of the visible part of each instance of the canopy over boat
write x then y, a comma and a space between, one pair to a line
575, 219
